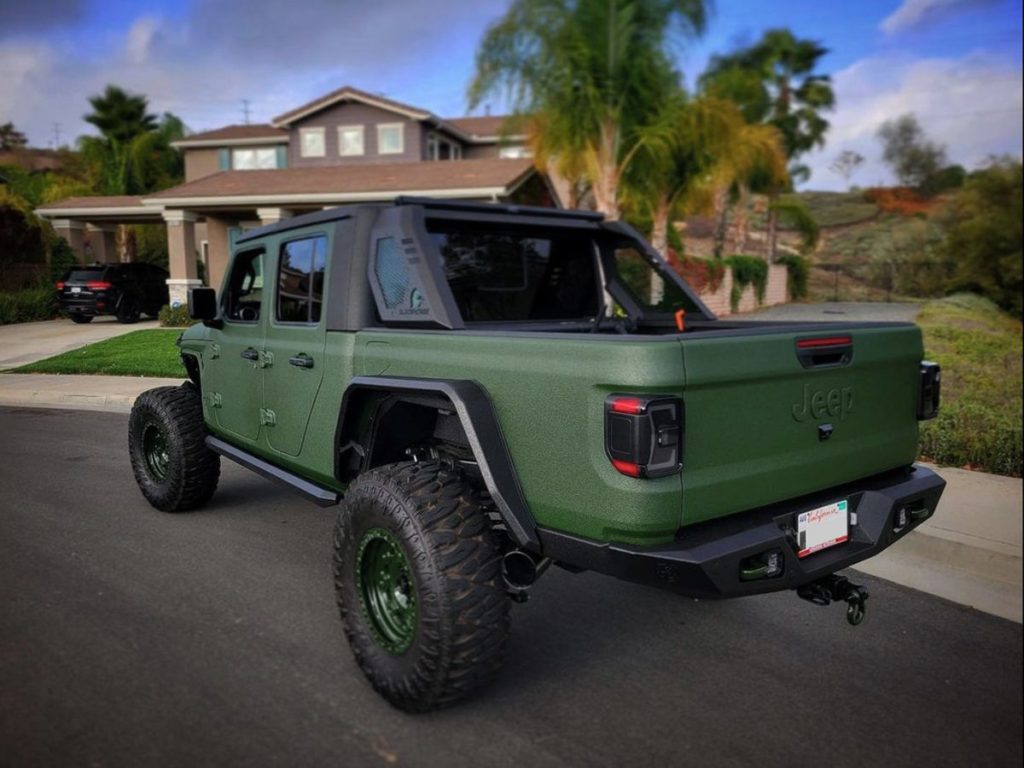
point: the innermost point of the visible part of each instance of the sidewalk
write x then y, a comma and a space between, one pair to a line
103, 393
969, 552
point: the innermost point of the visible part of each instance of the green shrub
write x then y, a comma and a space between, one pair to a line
799, 269
28, 305
980, 350
175, 317
62, 259
747, 270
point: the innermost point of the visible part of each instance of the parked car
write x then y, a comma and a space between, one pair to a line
124, 290
489, 390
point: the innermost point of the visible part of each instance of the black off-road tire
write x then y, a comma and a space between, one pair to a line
190, 470
462, 609
81, 319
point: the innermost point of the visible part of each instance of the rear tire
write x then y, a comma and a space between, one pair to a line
175, 470
417, 572
128, 312
81, 319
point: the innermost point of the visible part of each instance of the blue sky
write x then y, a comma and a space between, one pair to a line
955, 63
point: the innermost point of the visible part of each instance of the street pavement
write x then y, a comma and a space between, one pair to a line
24, 343
129, 637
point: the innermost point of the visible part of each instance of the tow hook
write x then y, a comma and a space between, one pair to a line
838, 588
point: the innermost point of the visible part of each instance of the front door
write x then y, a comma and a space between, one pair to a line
232, 363
295, 340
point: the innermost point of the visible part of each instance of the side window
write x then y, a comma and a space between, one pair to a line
300, 280
245, 288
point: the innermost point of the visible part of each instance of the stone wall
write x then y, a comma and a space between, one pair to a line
776, 292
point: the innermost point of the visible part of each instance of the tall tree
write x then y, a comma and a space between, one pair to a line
912, 156
11, 138
846, 163
590, 73
775, 81
119, 115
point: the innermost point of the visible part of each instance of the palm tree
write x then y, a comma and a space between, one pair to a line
590, 73
774, 81
119, 115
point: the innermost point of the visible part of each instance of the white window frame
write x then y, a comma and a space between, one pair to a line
236, 151
362, 140
381, 127
303, 132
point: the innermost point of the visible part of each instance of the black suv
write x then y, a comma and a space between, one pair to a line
124, 290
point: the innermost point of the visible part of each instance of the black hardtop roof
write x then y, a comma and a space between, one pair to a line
346, 211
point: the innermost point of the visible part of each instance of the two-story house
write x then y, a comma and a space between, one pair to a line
347, 146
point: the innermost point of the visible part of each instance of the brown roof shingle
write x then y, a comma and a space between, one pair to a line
484, 125
341, 93
387, 179
235, 132
108, 201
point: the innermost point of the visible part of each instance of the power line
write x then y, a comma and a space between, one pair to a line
245, 110
56, 135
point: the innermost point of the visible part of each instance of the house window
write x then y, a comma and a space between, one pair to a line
390, 138
441, 149
253, 159
350, 140
311, 142
514, 152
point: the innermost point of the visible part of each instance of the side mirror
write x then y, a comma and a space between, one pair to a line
202, 304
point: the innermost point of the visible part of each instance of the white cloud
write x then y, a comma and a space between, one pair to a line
971, 104
914, 13
202, 64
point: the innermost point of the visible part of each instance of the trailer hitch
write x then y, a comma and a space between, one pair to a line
838, 588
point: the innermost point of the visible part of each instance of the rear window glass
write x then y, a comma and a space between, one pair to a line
650, 289
84, 275
509, 275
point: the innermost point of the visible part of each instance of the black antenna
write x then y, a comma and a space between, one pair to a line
245, 110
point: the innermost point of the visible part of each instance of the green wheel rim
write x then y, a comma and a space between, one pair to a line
387, 591
154, 447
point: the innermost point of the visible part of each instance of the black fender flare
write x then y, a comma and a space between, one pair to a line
479, 420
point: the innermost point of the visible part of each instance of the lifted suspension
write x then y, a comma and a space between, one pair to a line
840, 589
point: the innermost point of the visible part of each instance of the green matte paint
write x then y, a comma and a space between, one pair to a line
751, 410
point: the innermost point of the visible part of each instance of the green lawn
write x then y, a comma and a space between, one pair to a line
979, 348
151, 352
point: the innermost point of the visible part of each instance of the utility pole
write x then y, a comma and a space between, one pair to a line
56, 135
245, 110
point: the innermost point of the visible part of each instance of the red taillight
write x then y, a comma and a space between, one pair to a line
60, 285
825, 341
643, 434
626, 467
98, 285
632, 405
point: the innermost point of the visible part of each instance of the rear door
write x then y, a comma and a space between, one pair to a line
295, 338
774, 414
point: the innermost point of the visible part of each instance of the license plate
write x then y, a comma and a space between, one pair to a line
821, 528
76, 290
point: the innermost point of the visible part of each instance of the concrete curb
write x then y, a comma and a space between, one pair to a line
97, 393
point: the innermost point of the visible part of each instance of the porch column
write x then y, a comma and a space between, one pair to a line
103, 239
74, 233
219, 239
272, 215
181, 249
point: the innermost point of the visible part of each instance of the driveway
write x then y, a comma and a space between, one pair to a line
24, 343
837, 312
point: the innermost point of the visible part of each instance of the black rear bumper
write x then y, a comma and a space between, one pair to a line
705, 560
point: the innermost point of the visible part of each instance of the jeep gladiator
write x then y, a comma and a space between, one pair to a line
488, 390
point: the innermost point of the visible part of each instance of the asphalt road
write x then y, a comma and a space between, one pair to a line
129, 637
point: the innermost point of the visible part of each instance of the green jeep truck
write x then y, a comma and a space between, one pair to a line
487, 390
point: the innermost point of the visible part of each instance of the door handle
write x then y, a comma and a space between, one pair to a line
250, 354
301, 361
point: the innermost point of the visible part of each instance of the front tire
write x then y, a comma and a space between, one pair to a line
128, 312
418, 578
175, 470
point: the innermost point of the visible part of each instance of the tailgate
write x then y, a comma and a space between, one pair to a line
756, 415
